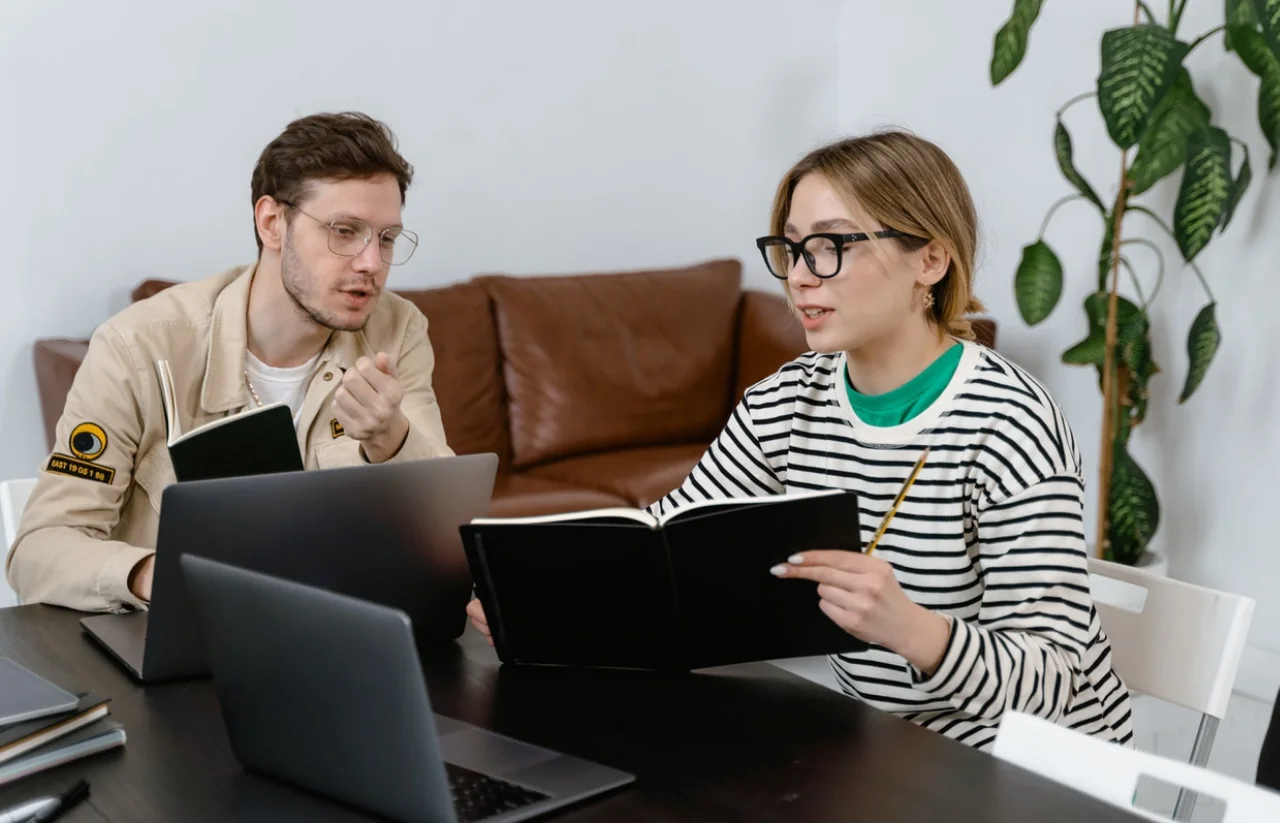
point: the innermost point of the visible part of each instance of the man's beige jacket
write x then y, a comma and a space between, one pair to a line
95, 510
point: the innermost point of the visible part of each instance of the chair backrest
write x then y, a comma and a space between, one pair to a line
1182, 644
13, 499
1110, 771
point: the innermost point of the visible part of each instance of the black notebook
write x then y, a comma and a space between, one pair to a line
621, 588
258, 440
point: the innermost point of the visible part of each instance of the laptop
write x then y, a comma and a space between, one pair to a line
326, 692
386, 533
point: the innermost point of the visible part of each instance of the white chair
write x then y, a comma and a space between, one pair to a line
1175, 641
1111, 772
13, 499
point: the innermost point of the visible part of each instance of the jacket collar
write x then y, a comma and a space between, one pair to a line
223, 389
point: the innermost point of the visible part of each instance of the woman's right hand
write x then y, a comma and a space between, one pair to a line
476, 612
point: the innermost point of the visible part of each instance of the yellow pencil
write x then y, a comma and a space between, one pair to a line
884, 524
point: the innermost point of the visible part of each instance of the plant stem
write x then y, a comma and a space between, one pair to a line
1159, 222
1062, 202
1204, 37
1108, 365
1151, 18
1075, 100
1110, 404
1175, 17
1139, 241
1137, 285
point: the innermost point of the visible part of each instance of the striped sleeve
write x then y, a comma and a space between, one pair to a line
1026, 649
734, 465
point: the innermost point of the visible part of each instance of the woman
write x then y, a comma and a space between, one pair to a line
976, 600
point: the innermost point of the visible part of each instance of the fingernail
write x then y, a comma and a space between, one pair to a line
779, 570
797, 559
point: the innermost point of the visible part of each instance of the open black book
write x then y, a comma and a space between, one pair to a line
622, 588
258, 440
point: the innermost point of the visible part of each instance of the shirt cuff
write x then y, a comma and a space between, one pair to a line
949, 675
113, 577
419, 446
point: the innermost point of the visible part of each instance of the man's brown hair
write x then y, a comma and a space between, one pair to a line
326, 146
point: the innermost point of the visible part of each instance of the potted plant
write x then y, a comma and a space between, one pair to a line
1147, 99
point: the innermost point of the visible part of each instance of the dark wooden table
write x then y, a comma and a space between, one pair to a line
745, 743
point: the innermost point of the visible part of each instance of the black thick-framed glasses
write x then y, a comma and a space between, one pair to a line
349, 237
823, 253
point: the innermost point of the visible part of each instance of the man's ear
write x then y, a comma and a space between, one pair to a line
935, 261
269, 217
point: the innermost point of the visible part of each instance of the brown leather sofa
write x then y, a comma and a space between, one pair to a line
593, 390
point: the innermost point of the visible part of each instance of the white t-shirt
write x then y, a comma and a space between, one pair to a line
288, 386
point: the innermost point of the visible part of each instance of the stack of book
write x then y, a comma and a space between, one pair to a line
43, 725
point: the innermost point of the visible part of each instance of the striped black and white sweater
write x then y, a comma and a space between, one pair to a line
992, 533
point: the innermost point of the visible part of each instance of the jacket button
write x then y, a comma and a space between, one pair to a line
328, 375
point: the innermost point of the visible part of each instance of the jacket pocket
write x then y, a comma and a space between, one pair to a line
339, 453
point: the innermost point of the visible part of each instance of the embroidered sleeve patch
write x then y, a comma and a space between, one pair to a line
70, 466
88, 441
336, 428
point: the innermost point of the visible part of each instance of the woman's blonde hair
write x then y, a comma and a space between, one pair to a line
907, 183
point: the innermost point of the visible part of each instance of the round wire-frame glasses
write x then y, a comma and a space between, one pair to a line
349, 237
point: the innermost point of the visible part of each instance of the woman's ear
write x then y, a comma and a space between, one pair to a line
935, 262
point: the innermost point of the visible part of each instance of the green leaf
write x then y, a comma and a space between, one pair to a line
1133, 510
1038, 282
1267, 12
1238, 13
1133, 350
1262, 61
1206, 188
1243, 177
1092, 350
1202, 344
1062, 145
1011, 41
1163, 146
1139, 64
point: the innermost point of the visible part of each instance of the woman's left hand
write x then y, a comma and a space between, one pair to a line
861, 595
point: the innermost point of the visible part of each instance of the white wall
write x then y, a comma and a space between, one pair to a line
924, 64
576, 136
550, 137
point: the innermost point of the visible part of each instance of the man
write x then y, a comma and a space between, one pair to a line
308, 324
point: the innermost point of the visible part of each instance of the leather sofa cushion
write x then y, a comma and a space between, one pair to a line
56, 362
616, 360
520, 495
769, 335
642, 476
468, 373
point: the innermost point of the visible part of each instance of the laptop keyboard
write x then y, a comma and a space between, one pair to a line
477, 796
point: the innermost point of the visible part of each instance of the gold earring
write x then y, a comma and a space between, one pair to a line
928, 300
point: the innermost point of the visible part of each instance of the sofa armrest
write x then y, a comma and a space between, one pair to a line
984, 329
57, 361
769, 335
147, 288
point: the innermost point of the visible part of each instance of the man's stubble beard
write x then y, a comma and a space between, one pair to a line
295, 278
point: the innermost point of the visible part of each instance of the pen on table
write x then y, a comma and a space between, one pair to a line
23, 813
902, 495
68, 799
